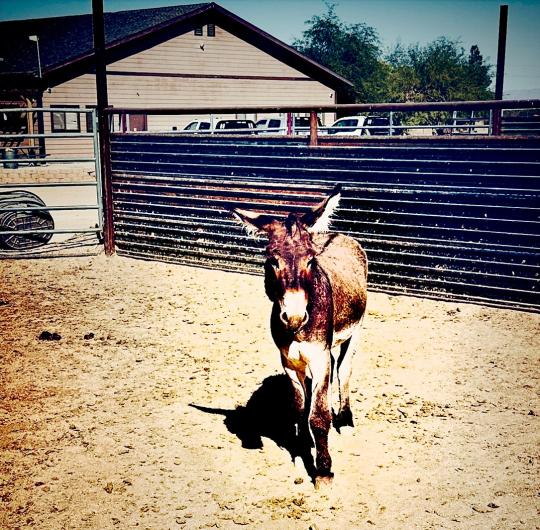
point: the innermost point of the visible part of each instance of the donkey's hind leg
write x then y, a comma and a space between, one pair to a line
344, 363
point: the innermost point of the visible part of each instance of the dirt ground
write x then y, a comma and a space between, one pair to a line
161, 405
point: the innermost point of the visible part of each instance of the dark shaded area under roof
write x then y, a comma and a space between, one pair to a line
64, 39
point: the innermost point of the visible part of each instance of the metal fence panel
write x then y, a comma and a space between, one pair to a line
50, 186
452, 219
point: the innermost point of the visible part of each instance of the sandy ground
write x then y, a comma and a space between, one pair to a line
162, 406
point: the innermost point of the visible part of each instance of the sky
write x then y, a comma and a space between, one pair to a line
404, 21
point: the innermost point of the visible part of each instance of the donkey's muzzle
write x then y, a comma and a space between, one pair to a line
294, 322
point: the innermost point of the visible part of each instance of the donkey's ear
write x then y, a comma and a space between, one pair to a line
319, 218
254, 223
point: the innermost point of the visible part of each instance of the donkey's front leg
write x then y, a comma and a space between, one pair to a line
320, 417
299, 392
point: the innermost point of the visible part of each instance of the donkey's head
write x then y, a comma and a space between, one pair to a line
291, 256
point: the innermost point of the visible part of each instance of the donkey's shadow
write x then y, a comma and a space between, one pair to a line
269, 413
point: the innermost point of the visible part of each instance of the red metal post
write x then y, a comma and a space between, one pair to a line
103, 125
313, 126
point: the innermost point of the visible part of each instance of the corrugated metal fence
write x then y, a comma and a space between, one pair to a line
447, 218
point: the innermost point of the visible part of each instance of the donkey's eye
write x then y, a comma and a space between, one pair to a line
311, 263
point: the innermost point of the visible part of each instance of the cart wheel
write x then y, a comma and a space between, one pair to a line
17, 196
33, 220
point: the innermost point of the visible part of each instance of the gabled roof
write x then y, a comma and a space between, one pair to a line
65, 39
66, 43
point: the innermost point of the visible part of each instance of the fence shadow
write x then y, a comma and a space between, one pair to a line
77, 246
269, 413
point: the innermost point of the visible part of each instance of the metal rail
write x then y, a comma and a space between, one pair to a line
17, 224
343, 108
470, 234
459, 126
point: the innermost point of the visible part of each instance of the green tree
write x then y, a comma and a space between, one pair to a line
479, 75
439, 71
351, 50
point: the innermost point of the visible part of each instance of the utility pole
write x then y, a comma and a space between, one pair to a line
103, 125
501, 57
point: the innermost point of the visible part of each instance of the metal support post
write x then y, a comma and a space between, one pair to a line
103, 125
499, 79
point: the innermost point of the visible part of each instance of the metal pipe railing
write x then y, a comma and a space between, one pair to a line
18, 149
459, 125
349, 107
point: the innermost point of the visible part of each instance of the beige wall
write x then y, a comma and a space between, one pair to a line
223, 55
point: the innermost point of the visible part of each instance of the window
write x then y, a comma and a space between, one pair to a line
305, 121
378, 121
115, 122
197, 125
89, 122
346, 124
65, 121
210, 30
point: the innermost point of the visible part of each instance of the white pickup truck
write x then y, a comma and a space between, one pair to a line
360, 126
278, 125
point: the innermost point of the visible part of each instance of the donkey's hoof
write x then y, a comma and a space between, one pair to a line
323, 481
343, 419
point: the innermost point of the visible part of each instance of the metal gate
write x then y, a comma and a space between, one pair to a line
50, 186
450, 218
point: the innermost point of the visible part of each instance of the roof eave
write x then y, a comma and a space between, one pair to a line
51, 71
291, 55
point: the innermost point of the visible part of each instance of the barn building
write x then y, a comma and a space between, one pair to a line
181, 56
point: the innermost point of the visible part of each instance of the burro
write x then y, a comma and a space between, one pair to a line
317, 281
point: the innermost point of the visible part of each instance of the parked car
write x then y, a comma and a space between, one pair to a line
235, 125
361, 126
231, 125
279, 125
274, 125
197, 125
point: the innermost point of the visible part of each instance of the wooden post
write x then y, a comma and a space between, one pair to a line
313, 126
30, 123
499, 79
103, 125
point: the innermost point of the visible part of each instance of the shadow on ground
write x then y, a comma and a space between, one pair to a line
269, 413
